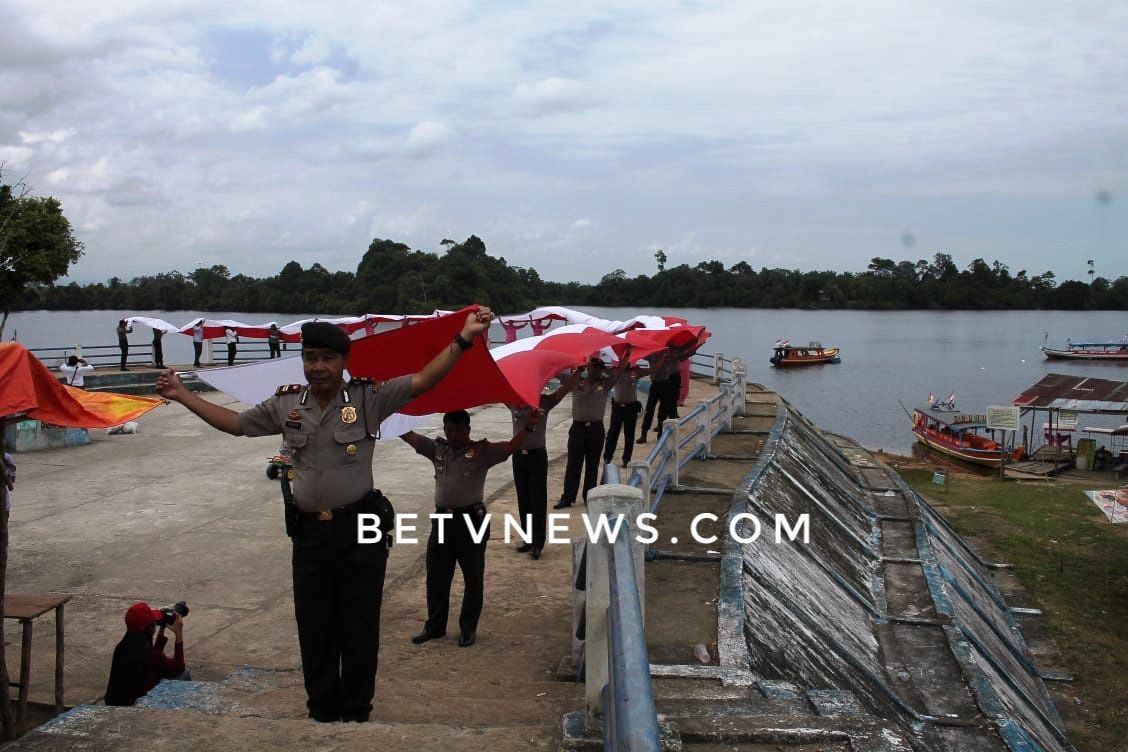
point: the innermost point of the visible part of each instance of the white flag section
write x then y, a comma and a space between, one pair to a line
160, 324
252, 383
583, 319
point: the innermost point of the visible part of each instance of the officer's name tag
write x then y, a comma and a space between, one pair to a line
293, 424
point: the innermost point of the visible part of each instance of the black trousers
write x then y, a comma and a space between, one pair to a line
230, 353
624, 416
663, 396
158, 354
338, 589
124, 347
585, 442
199, 348
275, 350
530, 478
675, 392
458, 547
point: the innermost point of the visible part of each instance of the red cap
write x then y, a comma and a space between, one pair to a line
140, 616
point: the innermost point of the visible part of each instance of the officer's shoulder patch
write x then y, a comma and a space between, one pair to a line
288, 389
367, 381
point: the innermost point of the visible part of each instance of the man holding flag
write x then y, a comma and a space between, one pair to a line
331, 428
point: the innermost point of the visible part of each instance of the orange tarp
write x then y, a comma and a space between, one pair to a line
28, 388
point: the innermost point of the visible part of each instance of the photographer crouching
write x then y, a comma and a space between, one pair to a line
139, 662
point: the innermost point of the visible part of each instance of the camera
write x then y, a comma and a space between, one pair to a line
168, 615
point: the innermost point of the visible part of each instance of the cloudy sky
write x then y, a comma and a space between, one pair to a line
574, 137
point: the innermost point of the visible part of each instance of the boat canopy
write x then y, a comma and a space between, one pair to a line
957, 421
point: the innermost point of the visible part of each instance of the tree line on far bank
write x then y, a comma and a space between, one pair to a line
393, 278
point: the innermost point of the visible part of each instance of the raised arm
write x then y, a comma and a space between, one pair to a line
432, 373
414, 440
561, 392
522, 433
172, 388
624, 363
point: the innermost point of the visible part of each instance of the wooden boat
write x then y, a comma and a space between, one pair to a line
1117, 351
942, 427
810, 354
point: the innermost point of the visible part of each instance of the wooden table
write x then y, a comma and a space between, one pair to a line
28, 608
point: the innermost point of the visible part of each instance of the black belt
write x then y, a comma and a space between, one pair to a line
461, 510
588, 423
328, 515
530, 451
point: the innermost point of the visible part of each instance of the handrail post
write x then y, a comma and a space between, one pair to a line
739, 376
705, 420
718, 366
78, 350
670, 427
647, 486
207, 357
611, 501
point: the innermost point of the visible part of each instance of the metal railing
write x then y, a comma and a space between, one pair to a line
618, 691
142, 355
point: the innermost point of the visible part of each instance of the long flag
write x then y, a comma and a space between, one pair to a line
28, 388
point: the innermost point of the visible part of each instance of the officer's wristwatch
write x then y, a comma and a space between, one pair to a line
462, 342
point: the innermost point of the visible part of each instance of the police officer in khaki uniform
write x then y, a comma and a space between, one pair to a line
661, 394
460, 483
625, 408
530, 467
585, 437
332, 427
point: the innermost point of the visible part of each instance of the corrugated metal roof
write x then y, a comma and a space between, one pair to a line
1081, 393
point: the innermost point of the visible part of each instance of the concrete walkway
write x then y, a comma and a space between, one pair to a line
180, 511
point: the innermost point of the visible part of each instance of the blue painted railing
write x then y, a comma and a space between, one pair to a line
630, 719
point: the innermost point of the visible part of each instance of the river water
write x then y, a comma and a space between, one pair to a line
987, 358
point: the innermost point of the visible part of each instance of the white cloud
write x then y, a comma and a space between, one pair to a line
788, 127
550, 95
253, 119
315, 49
426, 138
54, 137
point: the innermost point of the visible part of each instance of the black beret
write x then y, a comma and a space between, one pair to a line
324, 334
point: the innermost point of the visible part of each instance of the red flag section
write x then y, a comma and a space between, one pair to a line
514, 373
475, 380
28, 388
528, 364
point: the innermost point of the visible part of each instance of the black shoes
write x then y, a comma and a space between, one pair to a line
524, 548
641, 439
324, 716
354, 717
466, 639
562, 504
536, 553
426, 635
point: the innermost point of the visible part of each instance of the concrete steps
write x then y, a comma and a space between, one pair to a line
254, 709
97, 728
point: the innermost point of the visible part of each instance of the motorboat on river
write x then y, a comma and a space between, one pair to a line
941, 426
1114, 351
813, 353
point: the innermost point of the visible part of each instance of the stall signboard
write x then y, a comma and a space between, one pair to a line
1002, 418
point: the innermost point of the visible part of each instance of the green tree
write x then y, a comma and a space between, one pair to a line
37, 245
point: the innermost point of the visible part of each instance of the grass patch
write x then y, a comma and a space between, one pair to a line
1073, 565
